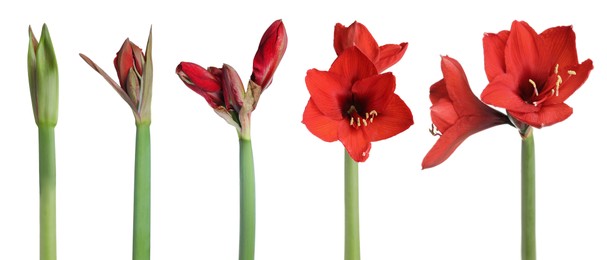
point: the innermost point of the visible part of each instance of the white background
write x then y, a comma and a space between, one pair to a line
466, 208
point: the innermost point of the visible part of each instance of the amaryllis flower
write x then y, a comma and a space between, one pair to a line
358, 35
222, 87
532, 75
353, 104
456, 113
134, 69
271, 48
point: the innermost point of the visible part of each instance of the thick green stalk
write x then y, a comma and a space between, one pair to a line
46, 157
247, 201
528, 197
141, 214
352, 241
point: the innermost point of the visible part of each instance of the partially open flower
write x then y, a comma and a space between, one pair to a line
456, 113
134, 69
222, 87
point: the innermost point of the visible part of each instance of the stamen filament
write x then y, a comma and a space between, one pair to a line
534, 87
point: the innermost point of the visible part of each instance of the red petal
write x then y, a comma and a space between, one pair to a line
502, 91
558, 47
389, 55
353, 65
394, 119
355, 35
521, 52
269, 53
464, 101
571, 83
443, 114
318, 124
355, 141
438, 91
124, 62
202, 82
374, 93
233, 90
200, 77
455, 135
548, 115
494, 46
138, 58
328, 91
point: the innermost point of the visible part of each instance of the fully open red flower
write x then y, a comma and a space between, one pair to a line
456, 113
353, 104
531, 75
358, 35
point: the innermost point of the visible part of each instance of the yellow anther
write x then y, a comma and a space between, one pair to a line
571, 72
373, 113
534, 87
371, 120
366, 115
559, 81
358, 121
351, 120
365, 122
556, 69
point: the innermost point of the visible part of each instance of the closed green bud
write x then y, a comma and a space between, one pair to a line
43, 78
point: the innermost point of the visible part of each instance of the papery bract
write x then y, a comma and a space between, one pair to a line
456, 113
353, 104
532, 75
358, 35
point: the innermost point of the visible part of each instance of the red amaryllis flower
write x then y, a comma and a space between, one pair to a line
134, 69
358, 35
353, 104
222, 87
272, 47
531, 75
456, 113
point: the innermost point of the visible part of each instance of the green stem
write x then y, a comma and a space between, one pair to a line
528, 197
47, 171
247, 201
352, 242
141, 214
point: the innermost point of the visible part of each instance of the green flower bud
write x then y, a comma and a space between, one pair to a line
43, 78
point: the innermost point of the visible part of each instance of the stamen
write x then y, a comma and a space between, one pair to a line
364, 122
358, 121
366, 115
534, 87
559, 81
571, 72
373, 113
434, 130
371, 120
556, 69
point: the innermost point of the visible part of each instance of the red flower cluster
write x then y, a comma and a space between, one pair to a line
352, 102
530, 75
222, 87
